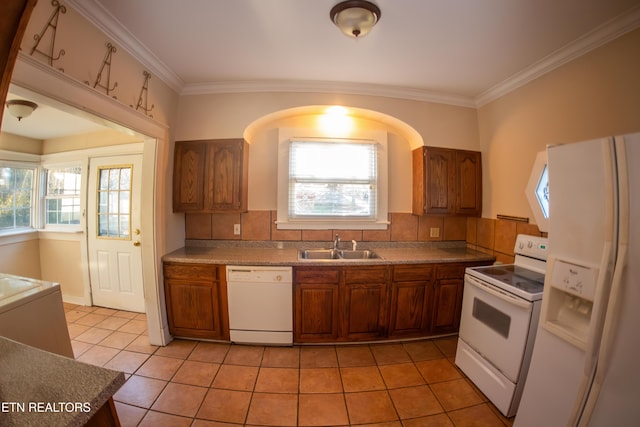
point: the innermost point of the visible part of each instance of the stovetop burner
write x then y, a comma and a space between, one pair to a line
512, 278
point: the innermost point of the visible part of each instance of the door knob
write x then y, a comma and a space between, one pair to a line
136, 243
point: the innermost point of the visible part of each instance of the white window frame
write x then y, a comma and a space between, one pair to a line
284, 220
19, 164
72, 228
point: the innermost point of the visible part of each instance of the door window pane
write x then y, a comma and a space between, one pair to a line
114, 202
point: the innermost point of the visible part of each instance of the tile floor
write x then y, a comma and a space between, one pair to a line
204, 384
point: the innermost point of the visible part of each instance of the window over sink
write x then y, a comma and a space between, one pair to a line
330, 183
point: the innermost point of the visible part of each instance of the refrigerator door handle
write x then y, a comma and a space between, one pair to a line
617, 291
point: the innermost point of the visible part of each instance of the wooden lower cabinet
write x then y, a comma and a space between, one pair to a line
411, 300
362, 303
196, 298
447, 298
340, 303
316, 305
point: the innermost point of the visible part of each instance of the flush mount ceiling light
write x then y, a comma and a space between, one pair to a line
355, 18
21, 108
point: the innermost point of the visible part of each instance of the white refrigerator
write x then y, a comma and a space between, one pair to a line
585, 366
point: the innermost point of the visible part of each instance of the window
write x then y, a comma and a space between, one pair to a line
332, 179
16, 196
62, 196
114, 202
331, 183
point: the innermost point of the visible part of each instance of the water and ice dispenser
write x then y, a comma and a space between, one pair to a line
568, 310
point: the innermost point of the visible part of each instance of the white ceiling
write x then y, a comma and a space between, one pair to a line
462, 52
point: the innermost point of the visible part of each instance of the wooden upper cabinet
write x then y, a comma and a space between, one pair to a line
226, 176
446, 181
188, 176
210, 176
468, 168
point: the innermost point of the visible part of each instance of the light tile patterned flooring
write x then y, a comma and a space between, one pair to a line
205, 384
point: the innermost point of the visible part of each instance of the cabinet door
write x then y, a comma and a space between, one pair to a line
468, 183
364, 303
196, 301
188, 176
447, 298
440, 184
433, 181
194, 309
411, 300
316, 309
447, 301
226, 176
316, 313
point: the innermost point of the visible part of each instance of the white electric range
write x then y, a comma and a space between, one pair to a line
500, 312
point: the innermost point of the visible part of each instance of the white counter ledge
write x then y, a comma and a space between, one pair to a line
38, 388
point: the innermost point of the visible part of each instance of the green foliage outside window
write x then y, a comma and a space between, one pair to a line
16, 189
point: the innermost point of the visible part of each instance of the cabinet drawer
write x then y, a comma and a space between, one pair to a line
409, 273
191, 271
365, 275
450, 271
317, 276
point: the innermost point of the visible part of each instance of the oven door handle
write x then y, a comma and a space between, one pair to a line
497, 293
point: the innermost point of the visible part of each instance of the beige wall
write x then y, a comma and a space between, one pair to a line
229, 116
105, 138
85, 50
61, 261
593, 96
21, 258
20, 144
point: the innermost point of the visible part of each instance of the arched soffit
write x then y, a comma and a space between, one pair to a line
392, 123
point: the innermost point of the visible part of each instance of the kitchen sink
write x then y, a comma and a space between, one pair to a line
358, 254
333, 254
318, 254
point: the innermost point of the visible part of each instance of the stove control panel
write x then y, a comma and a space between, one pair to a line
531, 246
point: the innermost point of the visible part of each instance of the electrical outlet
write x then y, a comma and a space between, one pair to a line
236, 229
434, 232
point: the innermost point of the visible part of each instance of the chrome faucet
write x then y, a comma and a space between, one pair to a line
336, 242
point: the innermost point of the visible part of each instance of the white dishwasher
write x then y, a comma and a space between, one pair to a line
260, 304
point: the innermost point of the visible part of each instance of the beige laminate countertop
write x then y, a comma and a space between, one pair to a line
267, 255
38, 388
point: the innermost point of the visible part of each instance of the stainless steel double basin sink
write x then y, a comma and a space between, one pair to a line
337, 254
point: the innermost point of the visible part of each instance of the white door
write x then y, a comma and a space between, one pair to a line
113, 224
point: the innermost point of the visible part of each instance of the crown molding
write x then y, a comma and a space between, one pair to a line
327, 87
601, 35
98, 16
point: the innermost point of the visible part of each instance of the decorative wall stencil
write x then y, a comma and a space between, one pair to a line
50, 28
106, 63
142, 98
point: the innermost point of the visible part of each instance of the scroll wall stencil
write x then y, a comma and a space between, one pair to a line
49, 32
106, 66
142, 98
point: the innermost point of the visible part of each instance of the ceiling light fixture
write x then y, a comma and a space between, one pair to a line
21, 108
355, 18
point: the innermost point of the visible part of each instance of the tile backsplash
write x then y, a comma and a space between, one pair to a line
493, 236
